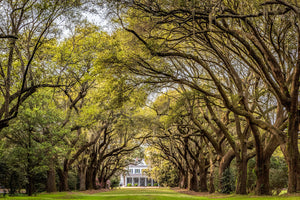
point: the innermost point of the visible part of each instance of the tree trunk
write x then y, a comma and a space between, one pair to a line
262, 164
63, 178
262, 169
262, 174
51, 183
286, 156
293, 152
95, 179
29, 188
298, 176
203, 179
102, 182
30, 165
183, 180
82, 177
241, 184
292, 141
64, 181
211, 176
193, 181
82, 174
89, 178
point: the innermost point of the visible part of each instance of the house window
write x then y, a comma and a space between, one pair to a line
137, 171
131, 171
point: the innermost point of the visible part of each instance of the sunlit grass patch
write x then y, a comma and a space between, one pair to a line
145, 194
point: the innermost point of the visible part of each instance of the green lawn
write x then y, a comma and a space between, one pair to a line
143, 194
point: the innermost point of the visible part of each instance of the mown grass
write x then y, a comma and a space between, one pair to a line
144, 194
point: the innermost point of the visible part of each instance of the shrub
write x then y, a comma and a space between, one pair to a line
129, 184
227, 182
278, 174
149, 184
155, 184
115, 181
135, 184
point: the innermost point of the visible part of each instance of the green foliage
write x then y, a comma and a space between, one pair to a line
227, 182
73, 180
129, 184
135, 184
115, 181
32, 139
278, 174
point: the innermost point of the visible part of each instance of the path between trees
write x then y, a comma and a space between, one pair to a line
147, 194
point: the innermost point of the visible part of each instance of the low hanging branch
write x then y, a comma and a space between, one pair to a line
14, 111
8, 36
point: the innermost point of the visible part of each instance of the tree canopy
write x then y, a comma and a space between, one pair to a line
203, 90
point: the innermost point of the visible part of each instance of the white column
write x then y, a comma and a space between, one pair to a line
125, 177
139, 181
151, 181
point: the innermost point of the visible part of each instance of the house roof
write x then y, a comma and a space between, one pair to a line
140, 163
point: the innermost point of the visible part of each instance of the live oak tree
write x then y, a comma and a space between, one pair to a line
25, 27
96, 98
36, 135
118, 103
194, 126
229, 70
260, 37
180, 144
162, 170
76, 56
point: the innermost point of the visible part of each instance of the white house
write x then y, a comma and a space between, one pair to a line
135, 175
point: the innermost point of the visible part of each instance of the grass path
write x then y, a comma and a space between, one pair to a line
143, 194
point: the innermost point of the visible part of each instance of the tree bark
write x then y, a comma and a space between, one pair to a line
203, 179
211, 176
30, 184
261, 166
102, 182
63, 178
298, 176
193, 181
89, 178
263, 156
262, 169
241, 184
242, 161
293, 152
94, 179
30, 165
294, 115
82, 177
64, 181
82, 174
183, 180
51, 183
